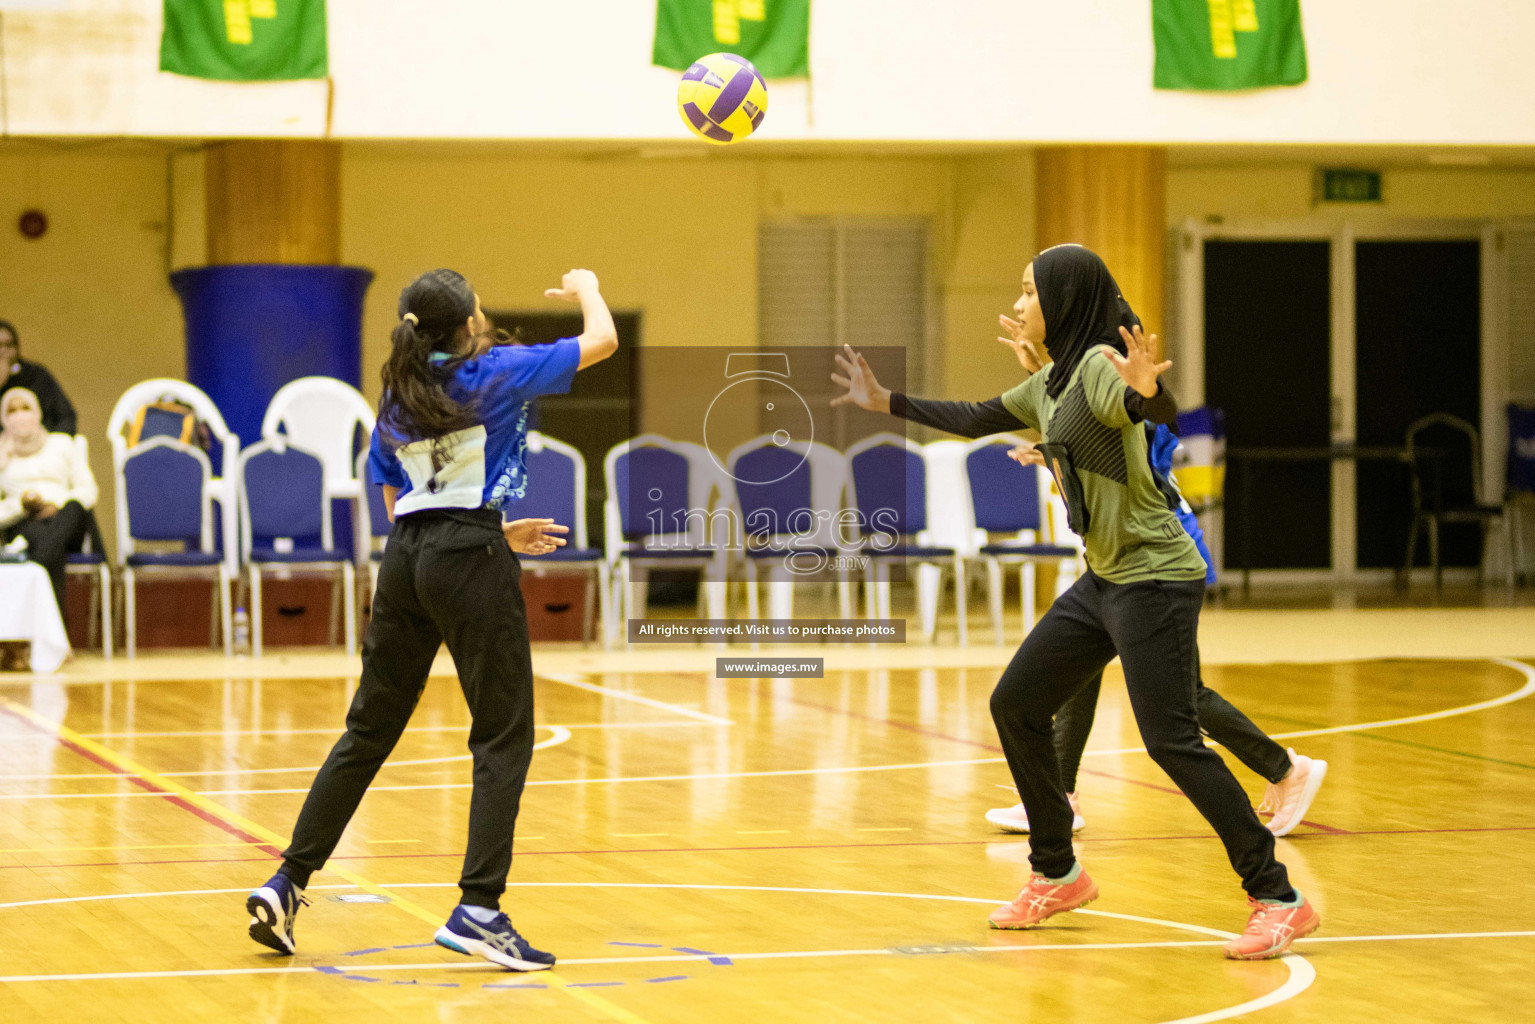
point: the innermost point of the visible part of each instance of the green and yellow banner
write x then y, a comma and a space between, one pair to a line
773, 34
245, 40
1227, 44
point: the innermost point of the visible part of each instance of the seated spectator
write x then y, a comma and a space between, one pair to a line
46, 489
58, 414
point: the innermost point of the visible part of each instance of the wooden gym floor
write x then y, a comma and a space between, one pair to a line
696, 850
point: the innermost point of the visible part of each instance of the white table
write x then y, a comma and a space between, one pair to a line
29, 612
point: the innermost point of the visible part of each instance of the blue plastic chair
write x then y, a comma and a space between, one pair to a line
1013, 501
164, 495
557, 490
887, 484
657, 514
788, 497
285, 522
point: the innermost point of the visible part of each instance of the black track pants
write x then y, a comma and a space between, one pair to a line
446, 576
1153, 628
1218, 719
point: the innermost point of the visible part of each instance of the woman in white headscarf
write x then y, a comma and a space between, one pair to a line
46, 488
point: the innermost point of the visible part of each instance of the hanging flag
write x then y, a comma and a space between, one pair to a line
1227, 44
773, 34
244, 40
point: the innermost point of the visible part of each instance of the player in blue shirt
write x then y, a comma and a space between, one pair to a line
448, 452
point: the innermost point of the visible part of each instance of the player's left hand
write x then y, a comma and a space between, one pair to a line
533, 536
1023, 348
1140, 368
1026, 455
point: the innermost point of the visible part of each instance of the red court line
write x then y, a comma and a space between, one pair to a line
143, 783
458, 854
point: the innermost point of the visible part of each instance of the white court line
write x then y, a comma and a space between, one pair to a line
1522, 692
1465, 709
332, 731
1301, 973
649, 702
534, 782
560, 734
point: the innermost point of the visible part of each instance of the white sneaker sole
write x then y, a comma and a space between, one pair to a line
267, 924
474, 947
1020, 826
1307, 794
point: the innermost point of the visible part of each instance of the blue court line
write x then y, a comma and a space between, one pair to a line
674, 977
363, 952
363, 977
638, 945
695, 952
721, 961
411, 945
329, 970
594, 984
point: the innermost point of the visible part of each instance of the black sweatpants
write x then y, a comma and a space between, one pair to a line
49, 541
1153, 627
1218, 719
446, 576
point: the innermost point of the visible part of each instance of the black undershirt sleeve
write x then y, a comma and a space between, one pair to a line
1161, 407
967, 419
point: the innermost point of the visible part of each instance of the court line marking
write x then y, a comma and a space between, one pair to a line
689, 723
1522, 692
651, 702
560, 734
222, 817
1300, 977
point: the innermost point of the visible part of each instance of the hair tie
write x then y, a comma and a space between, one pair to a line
411, 318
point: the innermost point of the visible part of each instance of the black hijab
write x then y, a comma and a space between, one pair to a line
1082, 307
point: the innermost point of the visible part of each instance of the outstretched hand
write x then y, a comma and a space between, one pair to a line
533, 536
1139, 368
1023, 348
863, 390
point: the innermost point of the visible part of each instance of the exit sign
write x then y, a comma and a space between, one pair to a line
1349, 186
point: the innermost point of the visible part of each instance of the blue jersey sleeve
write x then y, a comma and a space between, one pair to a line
383, 465
534, 370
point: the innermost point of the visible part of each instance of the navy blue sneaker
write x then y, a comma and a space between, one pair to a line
273, 908
496, 941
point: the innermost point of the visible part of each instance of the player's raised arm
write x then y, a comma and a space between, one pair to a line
599, 337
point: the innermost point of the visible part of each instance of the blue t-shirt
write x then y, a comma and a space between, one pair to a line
484, 467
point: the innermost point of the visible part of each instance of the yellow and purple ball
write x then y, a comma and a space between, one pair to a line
722, 98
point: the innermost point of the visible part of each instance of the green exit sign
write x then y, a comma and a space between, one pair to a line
1349, 186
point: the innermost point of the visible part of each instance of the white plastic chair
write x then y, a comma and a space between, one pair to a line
321, 415
222, 488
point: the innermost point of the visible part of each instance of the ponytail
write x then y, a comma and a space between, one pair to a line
415, 404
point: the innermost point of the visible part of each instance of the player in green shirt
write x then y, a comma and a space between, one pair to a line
1139, 599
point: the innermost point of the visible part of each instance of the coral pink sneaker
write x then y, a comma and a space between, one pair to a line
1271, 929
1042, 899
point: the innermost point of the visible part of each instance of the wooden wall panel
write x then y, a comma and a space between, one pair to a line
1112, 199
273, 201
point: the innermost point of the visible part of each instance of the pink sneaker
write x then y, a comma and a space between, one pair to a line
1042, 899
1290, 798
1015, 819
1271, 929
